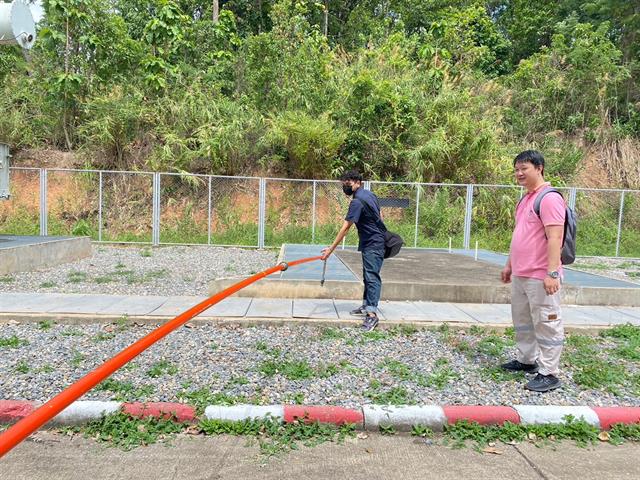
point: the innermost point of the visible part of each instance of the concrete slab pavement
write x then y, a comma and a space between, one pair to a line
100, 308
53, 456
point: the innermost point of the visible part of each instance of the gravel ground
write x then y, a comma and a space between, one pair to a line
212, 364
297, 364
618, 268
143, 271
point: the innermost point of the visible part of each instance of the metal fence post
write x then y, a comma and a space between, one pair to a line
261, 212
415, 237
155, 213
209, 214
44, 209
467, 217
100, 206
572, 198
313, 215
620, 213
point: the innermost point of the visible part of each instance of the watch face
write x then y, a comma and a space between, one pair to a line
553, 274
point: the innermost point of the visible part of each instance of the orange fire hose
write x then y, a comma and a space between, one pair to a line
29, 424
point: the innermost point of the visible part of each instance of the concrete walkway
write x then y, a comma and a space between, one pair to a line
88, 308
54, 456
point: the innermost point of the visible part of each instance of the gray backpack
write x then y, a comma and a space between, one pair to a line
568, 253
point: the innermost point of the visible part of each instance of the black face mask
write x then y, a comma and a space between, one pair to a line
347, 189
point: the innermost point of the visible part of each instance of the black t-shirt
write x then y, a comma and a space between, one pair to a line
370, 231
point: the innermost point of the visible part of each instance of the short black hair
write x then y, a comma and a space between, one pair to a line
354, 175
531, 156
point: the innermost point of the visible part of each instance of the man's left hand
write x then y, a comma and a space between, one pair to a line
551, 285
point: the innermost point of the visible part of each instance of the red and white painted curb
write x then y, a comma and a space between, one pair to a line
367, 417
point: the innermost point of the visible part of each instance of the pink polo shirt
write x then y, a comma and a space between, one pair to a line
529, 242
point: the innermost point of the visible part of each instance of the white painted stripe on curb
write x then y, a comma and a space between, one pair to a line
243, 412
541, 414
84, 411
403, 418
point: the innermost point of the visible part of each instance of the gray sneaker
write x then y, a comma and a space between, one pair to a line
543, 383
370, 322
362, 310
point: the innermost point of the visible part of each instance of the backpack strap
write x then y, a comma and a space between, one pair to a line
379, 221
538, 200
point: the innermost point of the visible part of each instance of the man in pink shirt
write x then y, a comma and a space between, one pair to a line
535, 272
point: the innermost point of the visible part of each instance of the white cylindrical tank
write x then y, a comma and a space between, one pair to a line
16, 24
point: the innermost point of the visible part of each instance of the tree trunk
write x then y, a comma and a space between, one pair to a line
216, 11
325, 25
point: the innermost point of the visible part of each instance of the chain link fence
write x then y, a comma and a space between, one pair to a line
167, 208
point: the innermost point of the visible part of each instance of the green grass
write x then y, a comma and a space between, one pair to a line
291, 369
163, 367
442, 375
76, 277
22, 367
330, 333
493, 345
125, 391
7, 279
126, 432
392, 396
45, 325
12, 342
500, 375
48, 284
77, 358
274, 437
203, 397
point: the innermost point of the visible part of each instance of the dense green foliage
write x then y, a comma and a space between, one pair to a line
430, 90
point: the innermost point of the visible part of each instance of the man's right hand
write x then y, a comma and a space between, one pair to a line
505, 275
325, 252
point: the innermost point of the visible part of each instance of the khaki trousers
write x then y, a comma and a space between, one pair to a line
537, 320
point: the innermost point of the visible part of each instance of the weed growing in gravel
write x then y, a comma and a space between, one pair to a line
397, 369
103, 336
163, 367
7, 279
125, 391
329, 333
71, 332
45, 369
241, 380
500, 375
291, 369
493, 345
12, 342
77, 358
146, 252
126, 432
442, 375
76, 277
48, 284
393, 396
275, 437
22, 367
45, 325
204, 397
262, 346
294, 398
102, 280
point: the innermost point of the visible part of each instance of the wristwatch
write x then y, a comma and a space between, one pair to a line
553, 274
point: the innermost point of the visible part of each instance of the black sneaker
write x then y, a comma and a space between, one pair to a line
362, 310
516, 366
370, 322
543, 383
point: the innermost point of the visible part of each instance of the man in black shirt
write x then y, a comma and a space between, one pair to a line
364, 211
